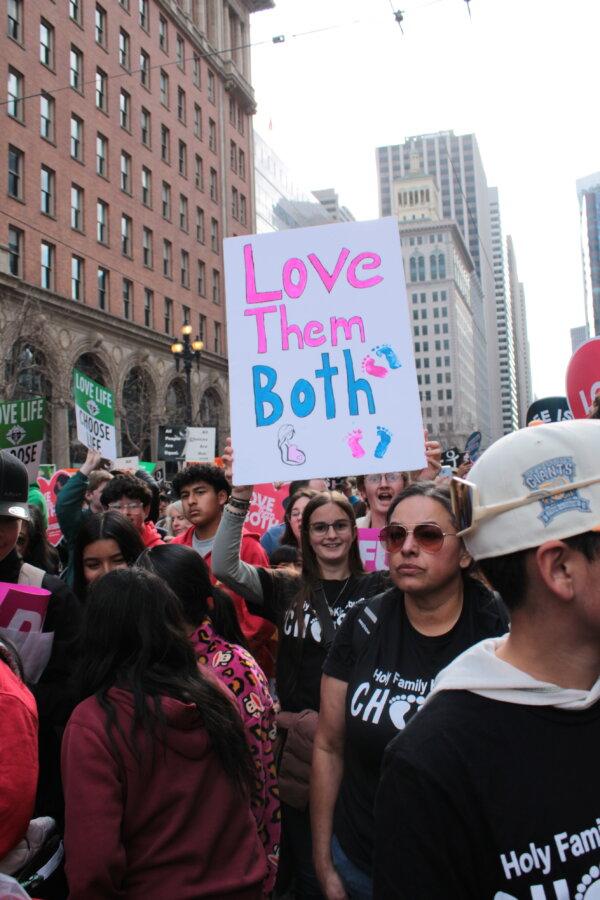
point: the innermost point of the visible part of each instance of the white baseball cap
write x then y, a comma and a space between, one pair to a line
531, 486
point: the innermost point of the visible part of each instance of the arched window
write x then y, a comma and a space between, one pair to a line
413, 268
211, 414
175, 404
433, 266
136, 414
442, 265
90, 365
421, 266
28, 375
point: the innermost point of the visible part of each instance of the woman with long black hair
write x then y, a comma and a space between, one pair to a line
156, 767
105, 541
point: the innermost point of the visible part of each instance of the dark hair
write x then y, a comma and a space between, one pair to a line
288, 537
188, 577
508, 574
111, 525
297, 485
134, 637
39, 551
126, 486
423, 489
285, 554
214, 476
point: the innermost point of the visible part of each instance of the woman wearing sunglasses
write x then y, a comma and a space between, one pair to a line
379, 672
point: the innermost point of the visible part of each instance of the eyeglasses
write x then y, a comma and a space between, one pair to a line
123, 507
390, 477
429, 537
340, 526
468, 511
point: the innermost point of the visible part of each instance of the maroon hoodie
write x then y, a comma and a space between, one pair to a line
175, 830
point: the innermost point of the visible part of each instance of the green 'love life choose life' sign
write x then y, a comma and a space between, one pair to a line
22, 431
95, 415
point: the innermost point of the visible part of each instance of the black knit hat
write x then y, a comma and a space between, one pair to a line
14, 486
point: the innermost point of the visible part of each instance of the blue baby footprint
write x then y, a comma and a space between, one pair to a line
384, 351
385, 437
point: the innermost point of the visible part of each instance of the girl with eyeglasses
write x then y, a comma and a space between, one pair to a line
379, 671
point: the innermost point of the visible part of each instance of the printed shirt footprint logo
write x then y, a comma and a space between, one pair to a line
92, 408
589, 888
401, 705
16, 434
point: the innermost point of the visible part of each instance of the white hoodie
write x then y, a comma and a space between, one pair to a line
480, 671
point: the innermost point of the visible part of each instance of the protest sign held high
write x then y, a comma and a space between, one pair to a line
95, 415
583, 378
22, 431
322, 375
549, 409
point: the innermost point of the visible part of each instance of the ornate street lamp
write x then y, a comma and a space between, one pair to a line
187, 351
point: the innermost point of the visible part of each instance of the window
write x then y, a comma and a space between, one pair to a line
144, 15
100, 28
15, 172
421, 267
102, 222
197, 122
216, 292
125, 110
210, 89
76, 69
218, 347
16, 238
166, 201
442, 265
198, 173
47, 117
101, 90
47, 191
214, 235
180, 51
182, 158
185, 269
214, 195
202, 327
147, 251
75, 10
46, 44
14, 107
183, 212
144, 69
200, 236
196, 70
76, 207
212, 135
433, 266
240, 120
146, 187
164, 88
146, 127
126, 235
201, 278
233, 159
124, 4
127, 298
15, 20
242, 209
76, 138
76, 278
242, 164
232, 111
124, 50
47, 265
125, 172
148, 308
163, 34
101, 155
167, 258
168, 316
235, 203
181, 104
102, 287
165, 144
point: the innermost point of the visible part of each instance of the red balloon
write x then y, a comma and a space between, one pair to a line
583, 378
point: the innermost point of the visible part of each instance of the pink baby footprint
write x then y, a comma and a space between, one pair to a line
370, 367
353, 440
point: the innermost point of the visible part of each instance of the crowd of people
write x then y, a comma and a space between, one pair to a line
206, 713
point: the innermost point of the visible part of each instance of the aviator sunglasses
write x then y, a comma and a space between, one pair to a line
428, 535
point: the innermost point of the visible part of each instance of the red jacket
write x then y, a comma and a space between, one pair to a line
18, 758
150, 536
259, 633
175, 829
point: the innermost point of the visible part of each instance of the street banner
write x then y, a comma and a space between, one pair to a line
50, 488
321, 369
200, 445
583, 378
266, 507
95, 415
127, 463
549, 409
373, 554
171, 442
452, 457
22, 431
473, 446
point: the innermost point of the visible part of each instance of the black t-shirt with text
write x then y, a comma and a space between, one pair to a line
389, 673
487, 800
300, 660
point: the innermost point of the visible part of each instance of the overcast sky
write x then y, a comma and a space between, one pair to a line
521, 74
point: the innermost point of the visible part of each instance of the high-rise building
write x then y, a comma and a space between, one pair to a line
456, 163
588, 193
504, 322
330, 200
521, 340
579, 336
124, 173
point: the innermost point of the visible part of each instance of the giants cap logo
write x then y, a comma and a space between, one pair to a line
554, 473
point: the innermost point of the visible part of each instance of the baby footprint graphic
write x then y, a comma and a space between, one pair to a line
589, 888
353, 440
385, 436
400, 706
384, 351
370, 367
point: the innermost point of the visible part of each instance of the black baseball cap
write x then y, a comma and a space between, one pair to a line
14, 487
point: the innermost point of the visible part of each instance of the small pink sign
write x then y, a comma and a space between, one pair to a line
22, 606
373, 554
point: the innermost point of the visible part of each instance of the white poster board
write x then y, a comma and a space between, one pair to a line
127, 463
321, 369
200, 445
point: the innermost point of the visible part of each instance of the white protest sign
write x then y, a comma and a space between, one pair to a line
95, 415
200, 444
321, 369
128, 463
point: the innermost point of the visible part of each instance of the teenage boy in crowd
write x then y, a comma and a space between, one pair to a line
493, 790
204, 491
78, 500
132, 498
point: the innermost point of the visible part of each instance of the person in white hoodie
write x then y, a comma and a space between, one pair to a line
493, 790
